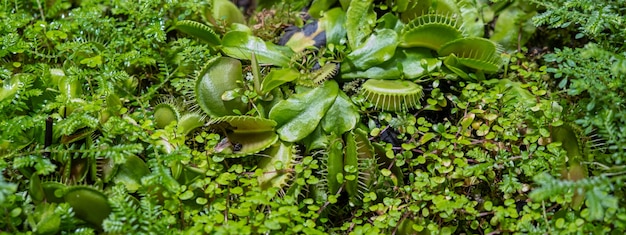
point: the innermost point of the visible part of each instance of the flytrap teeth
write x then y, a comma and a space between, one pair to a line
431, 31
392, 95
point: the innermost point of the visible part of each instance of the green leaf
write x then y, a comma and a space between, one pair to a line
334, 21
430, 31
390, 21
200, 31
334, 166
342, 116
89, 204
319, 6
316, 140
300, 114
409, 63
477, 53
251, 134
511, 22
597, 201
227, 11
130, 173
92, 62
427, 137
360, 20
351, 163
277, 166
218, 76
277, 77
378, 48
241, 45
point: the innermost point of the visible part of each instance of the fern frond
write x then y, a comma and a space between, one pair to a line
57, 7
550, 187
42, 165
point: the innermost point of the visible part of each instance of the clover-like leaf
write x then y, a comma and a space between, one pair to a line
300, 114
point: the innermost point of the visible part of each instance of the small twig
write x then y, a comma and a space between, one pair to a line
545, 216
43, 16
485, 213
404, 216
319, 212
48, 137
495, 232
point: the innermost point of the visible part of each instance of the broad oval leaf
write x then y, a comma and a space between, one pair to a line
219, 75
360, 21
241, 45
334, 21
378, 48
130, 173
342, 116
277, 77
89, 204
318, 7
300, 114
224, 10
409, 63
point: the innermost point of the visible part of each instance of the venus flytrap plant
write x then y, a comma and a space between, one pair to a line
390, 49
285, 149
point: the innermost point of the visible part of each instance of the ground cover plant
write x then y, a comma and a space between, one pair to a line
315, 117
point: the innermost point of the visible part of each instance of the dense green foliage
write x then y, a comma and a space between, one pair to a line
429, 117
